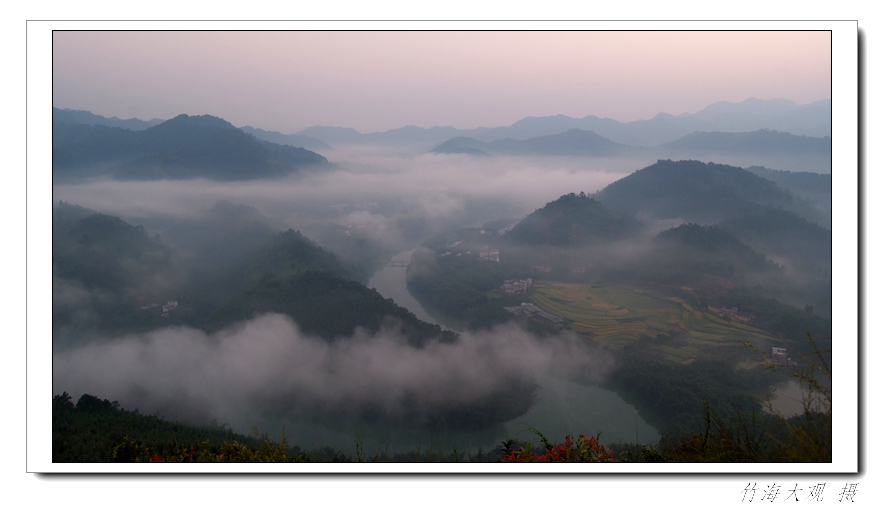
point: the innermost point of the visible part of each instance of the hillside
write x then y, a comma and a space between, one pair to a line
779, 232
294, 276
573, 220
184, 147
693, 191
103, 271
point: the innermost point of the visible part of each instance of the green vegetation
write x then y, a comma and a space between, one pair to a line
622, 315
293, 276
693, 191
573, 220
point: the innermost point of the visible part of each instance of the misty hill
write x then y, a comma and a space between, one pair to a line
693, 191
298, 141
815, 187
181, 148
813, 119
294, 276
761, 147
466, 145
702, 256
84, 117
573, 220
573, 142
786, 237
103, 270
219, 236
759, 141
102, 251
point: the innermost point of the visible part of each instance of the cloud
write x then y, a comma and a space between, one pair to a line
267, 367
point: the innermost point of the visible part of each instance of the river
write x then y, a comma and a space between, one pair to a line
562, 407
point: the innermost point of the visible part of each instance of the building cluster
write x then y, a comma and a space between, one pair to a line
506, 228
541, 268
164, 309
530, 310
513, 287
729, 313
778, 354
491, 255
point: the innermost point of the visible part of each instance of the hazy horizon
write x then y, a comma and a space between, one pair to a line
378, 81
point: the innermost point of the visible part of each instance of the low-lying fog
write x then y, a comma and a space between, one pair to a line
266, 369
254, 370
251, 372
374, 188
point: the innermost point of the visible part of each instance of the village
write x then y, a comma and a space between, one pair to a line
163, 310
729, 313
532, 311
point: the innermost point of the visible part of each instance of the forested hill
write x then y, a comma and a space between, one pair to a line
573, 220
184, 147
694, 192
293, 276
111, 278
103, 271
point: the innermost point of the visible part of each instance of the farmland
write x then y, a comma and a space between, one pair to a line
620, 315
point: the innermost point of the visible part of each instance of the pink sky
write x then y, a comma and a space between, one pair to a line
373, 81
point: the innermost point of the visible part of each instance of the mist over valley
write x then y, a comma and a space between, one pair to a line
574, 275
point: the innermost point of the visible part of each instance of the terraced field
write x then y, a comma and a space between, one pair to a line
620, 315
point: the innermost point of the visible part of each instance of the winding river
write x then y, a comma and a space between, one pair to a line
562, 407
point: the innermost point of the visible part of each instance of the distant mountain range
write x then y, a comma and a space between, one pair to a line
84, 117
768, 147
813, 120
181, 148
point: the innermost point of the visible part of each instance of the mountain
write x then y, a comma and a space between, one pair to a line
298, 141
465, 145
785, 237
705, 241
103, 252
815, 187
294, 276
759, 141
573, 142
84, 117
693, 191
573, 220
103, 270
813, 119
181, 148
761, 147
707, 257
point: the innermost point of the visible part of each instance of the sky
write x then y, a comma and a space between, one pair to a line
379, 80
